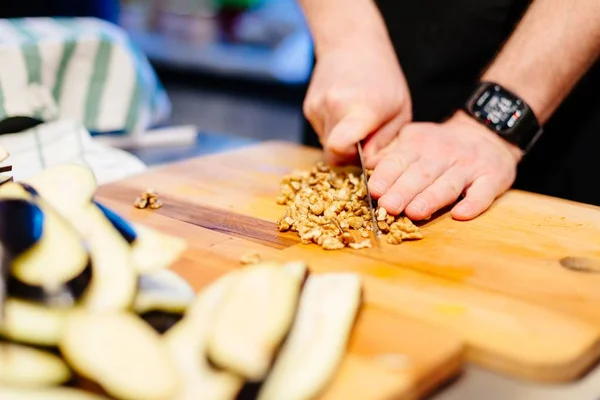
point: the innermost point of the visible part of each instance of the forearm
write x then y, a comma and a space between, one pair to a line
550, 50
332, 22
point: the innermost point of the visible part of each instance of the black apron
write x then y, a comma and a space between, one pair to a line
443, 47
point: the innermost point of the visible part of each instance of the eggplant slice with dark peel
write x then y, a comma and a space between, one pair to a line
253, 319
124, 228
27, 366
317, 341
113, 284
151, 250
162, 299
121, 353
32, 323
187, 343
48, 259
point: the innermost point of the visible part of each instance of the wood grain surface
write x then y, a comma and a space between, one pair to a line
496, 284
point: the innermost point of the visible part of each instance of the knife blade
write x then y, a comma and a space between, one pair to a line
376, 230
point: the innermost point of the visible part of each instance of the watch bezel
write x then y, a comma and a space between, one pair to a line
524, 133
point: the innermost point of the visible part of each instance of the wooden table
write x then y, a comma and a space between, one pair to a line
490, 291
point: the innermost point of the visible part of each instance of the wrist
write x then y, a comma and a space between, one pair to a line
337, 24
530, 89
464, 119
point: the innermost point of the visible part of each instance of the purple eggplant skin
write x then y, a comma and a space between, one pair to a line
119, 223
73, 289
21, 225
161, 321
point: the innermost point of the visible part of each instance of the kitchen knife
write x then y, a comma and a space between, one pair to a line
376, 230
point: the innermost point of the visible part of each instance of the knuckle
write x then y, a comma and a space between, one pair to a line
334, 101
451, 187
310, 107
396, 161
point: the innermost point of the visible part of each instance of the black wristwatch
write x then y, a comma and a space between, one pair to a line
504, 113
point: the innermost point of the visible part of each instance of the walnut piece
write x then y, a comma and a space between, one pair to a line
365, 244
250, 258
324, 205
149, 198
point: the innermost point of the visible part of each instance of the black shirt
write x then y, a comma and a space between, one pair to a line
444, 46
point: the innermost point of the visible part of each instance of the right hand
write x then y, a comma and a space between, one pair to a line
357, 91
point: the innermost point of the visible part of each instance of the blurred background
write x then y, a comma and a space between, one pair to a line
235, 69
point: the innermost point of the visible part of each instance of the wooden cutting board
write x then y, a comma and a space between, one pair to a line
496, 282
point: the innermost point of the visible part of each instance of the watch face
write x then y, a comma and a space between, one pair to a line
498, 109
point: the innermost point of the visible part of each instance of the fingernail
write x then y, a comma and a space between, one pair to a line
378, 186
417, 205
392, 202
462, 209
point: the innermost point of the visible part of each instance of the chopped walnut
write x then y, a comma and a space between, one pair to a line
324, 206
365, 244
155, 204
347, 238
250, 258
331, 243
149, 198
140, 203
381, 214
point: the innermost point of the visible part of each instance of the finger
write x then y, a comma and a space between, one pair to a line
479, 197
381, 138
389, 170
314, 112
419, 176
351, 129
444, 191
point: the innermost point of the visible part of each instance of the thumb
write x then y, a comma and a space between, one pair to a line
350, 130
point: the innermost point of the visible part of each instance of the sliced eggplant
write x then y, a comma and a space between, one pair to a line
30, 367
32, 323
58, 393
317, 341
114, 279
253, 319
49, 261
74, 183
298, 269
151, 250
187, 344
162, 298
124, 228
121, 353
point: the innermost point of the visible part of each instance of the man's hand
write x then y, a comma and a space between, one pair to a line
357, 90
429, 166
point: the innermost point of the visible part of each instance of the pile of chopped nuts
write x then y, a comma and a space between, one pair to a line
330, 208
148, 199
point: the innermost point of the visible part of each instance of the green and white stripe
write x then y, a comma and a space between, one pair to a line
13, 71
95, 75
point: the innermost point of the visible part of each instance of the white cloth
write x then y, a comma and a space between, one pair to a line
65, 141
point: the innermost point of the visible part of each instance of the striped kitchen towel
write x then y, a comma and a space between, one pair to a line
81, 69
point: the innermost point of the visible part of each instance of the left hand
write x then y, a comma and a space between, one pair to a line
429, 166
